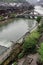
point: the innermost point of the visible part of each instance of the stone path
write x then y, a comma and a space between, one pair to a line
34, 56
20, 61
24, 60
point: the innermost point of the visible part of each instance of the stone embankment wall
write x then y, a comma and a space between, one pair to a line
15, 51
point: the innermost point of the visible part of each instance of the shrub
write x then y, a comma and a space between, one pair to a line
30, 42
15, 63
35, 35
1, 18
38, 19
40, 28
20, 55
12, 15
40, 51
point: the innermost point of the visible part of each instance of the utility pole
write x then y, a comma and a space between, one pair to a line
33, 13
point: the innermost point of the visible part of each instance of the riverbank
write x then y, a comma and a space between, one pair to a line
20, 42
5, 22
9, 20
12, 55
32, 59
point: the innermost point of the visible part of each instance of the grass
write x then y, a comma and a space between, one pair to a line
40, 51
1, 17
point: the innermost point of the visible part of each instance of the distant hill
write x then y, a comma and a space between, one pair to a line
32, 1
40, 2
13, 1
35, 2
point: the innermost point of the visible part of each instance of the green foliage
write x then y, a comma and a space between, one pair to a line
1, 18
35, 35
38, 19
6, 22
40, 28
30, 42
20, 55
12, 15
40, 51
13, 1
15, 63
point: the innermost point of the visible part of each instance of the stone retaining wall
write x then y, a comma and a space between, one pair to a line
15, 51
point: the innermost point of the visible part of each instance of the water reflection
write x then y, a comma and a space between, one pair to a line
16, 29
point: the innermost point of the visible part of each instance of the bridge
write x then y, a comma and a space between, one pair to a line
29, 13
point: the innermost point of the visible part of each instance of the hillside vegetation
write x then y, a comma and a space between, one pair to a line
13, 1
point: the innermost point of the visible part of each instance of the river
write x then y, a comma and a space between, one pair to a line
16, 29
39, 9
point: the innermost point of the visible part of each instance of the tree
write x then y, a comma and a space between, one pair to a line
13, 0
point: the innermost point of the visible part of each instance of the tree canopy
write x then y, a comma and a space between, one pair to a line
13, 1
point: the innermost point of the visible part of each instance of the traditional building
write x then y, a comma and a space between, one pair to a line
6, 8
